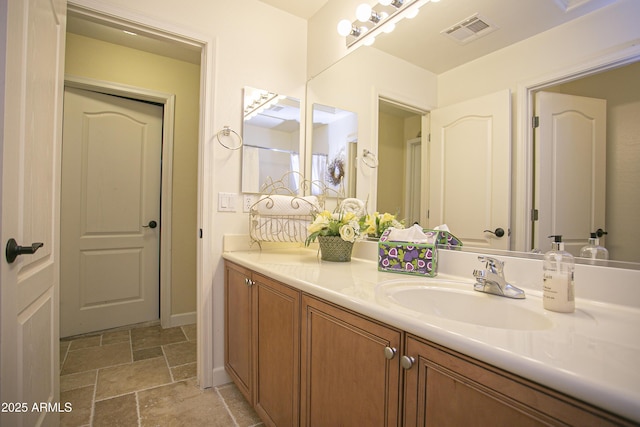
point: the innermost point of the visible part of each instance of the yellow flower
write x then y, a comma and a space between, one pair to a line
326, 214
370, 222
348, 217
318, 224
387, 217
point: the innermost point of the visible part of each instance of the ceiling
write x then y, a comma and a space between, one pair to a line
113, 33
420, 41
302, 8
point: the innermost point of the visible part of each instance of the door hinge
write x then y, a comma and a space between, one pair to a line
534, 214
535, 122
200, 233
429, 137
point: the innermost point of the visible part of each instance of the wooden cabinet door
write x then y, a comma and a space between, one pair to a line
443, 388
276, 343
237, 337
346, 380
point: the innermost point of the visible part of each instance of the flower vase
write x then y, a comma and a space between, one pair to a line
333, 248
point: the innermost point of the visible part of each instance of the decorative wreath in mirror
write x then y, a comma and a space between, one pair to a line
335, 171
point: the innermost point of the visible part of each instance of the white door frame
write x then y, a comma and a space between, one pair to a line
412, 145
526, 91
167, 101
129, 20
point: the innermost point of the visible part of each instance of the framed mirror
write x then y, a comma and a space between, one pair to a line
333, 150
271, 134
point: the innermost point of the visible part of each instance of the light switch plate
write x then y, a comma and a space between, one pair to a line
227, 202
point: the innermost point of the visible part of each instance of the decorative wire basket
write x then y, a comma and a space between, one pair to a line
333, 248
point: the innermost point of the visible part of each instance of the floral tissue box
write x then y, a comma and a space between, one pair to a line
408, 258
446, 239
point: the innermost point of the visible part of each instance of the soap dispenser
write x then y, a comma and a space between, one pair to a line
593, 250
558, 286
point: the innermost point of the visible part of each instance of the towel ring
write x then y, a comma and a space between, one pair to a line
369, 159
226, 132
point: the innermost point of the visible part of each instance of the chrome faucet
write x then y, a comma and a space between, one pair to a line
491, 280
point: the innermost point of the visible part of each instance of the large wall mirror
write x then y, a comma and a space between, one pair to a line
271, 134
360, 79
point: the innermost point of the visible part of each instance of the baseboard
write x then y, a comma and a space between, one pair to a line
182, 319
220, 377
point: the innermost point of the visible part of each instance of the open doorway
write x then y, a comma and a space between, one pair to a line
401, 156
97, 48
615, 84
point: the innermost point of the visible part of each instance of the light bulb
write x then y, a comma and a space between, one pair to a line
344, 27
384, 2
363, 12
412, 13
369, 41
389, 27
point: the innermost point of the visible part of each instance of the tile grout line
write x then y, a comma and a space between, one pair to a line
95, 390
138, 409
224, 402
166, 361
135, 392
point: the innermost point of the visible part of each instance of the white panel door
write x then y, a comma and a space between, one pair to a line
31, 86
570, 168
110, 194
470, 169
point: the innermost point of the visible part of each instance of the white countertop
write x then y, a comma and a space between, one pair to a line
592, 354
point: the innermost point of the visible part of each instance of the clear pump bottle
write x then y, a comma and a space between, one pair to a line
558, 293
593, 250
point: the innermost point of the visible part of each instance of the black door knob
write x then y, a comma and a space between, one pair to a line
13, 250
152, 224
499, 232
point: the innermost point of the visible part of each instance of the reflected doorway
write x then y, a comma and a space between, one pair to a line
401, 169
615, 84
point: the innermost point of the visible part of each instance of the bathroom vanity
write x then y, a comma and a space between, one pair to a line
310, 342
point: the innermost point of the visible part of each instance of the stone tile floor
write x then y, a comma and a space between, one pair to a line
143, 376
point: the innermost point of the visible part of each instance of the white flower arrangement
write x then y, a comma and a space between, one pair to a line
347, 225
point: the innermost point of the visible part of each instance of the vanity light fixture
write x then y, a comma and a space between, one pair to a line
365, 13
261, 101
381, 18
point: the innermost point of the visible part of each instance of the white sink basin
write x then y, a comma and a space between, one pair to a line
459, 302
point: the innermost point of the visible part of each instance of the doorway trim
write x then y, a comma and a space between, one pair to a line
167, 101
612, 58
130, 20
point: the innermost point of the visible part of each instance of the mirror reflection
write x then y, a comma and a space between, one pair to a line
271, 135
416, 88
400, 166
613, 205
333, 153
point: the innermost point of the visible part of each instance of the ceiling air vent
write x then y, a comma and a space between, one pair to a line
469, 29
